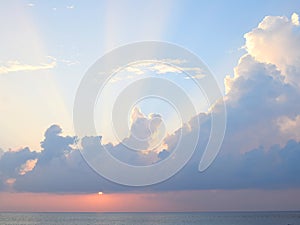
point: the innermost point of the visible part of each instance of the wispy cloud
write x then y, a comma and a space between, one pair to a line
70, 7
69, 62
17, 66
166, 66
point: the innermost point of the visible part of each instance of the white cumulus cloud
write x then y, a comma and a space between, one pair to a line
276, 41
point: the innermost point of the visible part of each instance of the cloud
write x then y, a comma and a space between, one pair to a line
146, 131
144, 142
276, 41
17, 66
11, 163
10, 181
60, 168
69, 62
259, 168
54, 145
57, 167
1, 152
273, 168
70, 7
28, 166
289, 126
163, 67
295, 19
258, 97
261, 95
261, 149
163, 154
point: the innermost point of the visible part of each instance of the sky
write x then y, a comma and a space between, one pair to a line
249, 48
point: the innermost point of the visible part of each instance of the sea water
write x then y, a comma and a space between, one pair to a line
239, 218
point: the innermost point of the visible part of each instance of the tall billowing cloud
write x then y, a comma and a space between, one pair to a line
276, 41
263, 94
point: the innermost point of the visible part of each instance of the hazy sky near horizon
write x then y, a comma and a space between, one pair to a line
252, 48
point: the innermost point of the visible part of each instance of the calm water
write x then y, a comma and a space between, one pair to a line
263, 218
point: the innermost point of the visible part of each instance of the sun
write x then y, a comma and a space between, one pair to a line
100, 193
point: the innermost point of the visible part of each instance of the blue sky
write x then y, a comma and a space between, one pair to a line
251, 47
76, 34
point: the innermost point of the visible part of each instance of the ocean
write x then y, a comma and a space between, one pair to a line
239, 218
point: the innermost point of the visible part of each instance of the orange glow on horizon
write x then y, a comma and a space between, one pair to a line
173, 201
43, 202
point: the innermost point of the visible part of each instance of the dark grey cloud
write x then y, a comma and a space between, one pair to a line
1, 152
274, 168
54, 145
259, 168
11, 162
163, 154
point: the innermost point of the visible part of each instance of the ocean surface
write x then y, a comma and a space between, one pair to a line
241, 218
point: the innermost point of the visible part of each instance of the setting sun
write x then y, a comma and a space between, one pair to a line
100, 193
